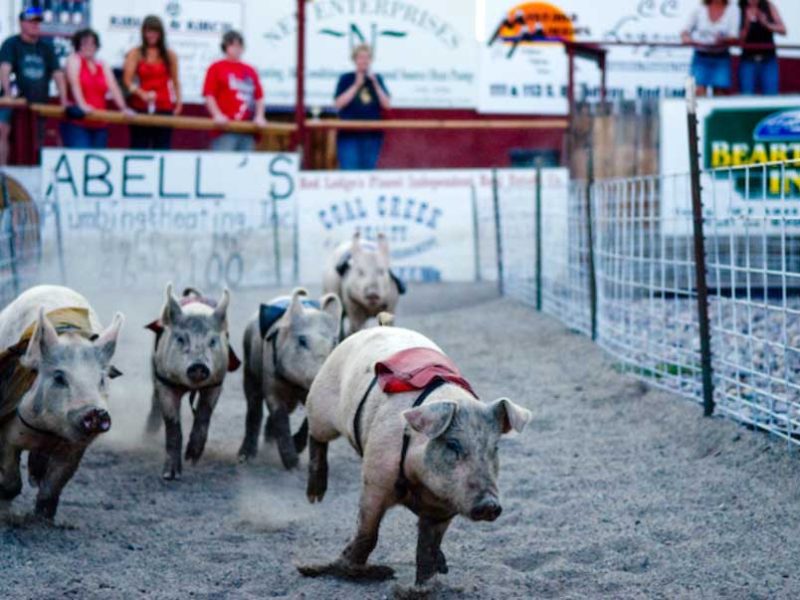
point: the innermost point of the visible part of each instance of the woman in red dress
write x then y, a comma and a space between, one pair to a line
150, 74
89, 82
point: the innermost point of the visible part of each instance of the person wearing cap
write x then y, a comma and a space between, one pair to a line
33, 62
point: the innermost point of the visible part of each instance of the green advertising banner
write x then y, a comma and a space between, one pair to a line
757, 148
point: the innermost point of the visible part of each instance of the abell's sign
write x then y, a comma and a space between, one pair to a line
747, 139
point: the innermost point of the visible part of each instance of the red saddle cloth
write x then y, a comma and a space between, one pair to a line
415, 368
158, 328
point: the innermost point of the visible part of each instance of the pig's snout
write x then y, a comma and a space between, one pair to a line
373, 298
96, 420
198, 373
487, 509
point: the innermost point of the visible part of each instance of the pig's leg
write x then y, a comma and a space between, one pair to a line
170, 403
202, 418
154, 417
279, 420
352, 562
255, 414
60, 469
317, 470
37, 466
10, 479
357, 317
430, 558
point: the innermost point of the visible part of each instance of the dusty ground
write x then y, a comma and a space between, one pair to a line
614, 490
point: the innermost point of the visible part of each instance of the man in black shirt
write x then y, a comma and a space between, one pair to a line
33, 62
360, 95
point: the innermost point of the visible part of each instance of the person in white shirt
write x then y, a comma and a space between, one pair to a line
710, 28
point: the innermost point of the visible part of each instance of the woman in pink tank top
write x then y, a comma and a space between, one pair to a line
90, 81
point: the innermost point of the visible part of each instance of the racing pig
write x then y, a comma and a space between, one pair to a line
192, 354
359, 274
285, 344
427, 442
55, 364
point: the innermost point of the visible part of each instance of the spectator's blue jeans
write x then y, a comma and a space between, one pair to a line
78, 136
358, 152
234, 142
759, 76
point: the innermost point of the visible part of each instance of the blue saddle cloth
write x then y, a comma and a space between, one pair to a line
269, 313
343, 266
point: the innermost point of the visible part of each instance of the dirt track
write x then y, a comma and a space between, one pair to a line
614, 490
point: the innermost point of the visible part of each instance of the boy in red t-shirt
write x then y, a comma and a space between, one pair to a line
233, 93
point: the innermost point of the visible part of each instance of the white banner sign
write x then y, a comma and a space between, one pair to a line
426, 215
211, 218
194, 30
425, 50
743, 141
520, 74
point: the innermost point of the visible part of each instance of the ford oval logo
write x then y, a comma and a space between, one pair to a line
779, 127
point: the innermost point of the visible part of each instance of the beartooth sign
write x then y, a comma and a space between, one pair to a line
739, 139
519, 73
425, 50
426, 215
204, 217
752, 138
194, 29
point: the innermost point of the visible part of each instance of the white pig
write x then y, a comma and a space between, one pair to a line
360, 275
55, 363
451, 464
285, 344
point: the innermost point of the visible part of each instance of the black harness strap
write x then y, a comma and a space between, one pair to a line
357, 417
183, 389
401, 485
34, 428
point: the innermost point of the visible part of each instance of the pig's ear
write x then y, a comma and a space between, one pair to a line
432, 419
510, 416
106, 343
172, 309
295, 310
383, 245
331, 305
44, 337
221, 311
355, 245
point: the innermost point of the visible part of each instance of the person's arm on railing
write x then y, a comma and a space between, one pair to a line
214, 111
132, 59
73, 80
691, 24
777, 25
5, 78
116, 93
346, 97
259, 118
176, 83
61, 86
383, 97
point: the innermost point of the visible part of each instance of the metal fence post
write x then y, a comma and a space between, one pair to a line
590, 241
538, 234
699, 252
276, 242
498, 235
476, 234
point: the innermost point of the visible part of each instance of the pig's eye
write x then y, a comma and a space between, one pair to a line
212, 343
180, 339
361, 273
302, 341
381, 272
454, 446
60, 378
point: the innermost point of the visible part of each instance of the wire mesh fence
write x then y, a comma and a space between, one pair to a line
640, 281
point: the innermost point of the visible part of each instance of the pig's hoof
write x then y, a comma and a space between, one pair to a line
193, 453
171, 472
290, 461
315, 490
346, 570
247, 452
441, 563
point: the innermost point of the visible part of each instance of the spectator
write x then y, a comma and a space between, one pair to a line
233, 93
158, 90
758, 68
360, 94
90, 81
710, 28
33, 62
